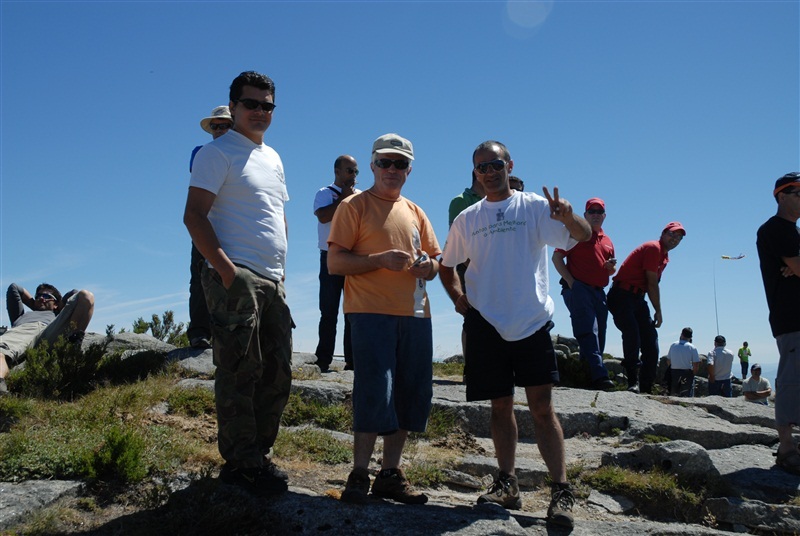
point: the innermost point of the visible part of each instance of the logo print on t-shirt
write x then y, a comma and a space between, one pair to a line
500, 215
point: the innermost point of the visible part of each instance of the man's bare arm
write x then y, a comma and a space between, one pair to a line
654, 293
195, 217
561, 267
452, 285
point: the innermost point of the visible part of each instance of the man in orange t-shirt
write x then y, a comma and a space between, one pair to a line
385, 247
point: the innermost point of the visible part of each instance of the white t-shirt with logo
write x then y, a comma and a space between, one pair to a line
506, 243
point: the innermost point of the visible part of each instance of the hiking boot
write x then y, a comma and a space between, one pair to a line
254, 480
503, 491
634, 388
357, 488
393, 484
603, 384
561, 503
272, 469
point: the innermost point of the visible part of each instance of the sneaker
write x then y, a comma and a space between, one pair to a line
393, 484
503, 491
561, 503
634, 388
274, 470
357, 488
254, 480
200, 342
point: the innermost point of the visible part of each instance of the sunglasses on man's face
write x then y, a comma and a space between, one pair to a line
220, 126
595, 211
351, 170
483, 167
252, 104
46, 296
386, 163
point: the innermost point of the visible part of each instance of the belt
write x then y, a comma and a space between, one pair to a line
564, 284
630, 288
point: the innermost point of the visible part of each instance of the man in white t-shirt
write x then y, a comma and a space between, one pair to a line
235, 216
720, 363
755, 388
331, 286
684, 361
507, 318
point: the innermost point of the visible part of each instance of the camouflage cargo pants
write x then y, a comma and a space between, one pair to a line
252, 329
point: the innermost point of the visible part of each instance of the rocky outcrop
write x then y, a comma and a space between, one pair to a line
725, 442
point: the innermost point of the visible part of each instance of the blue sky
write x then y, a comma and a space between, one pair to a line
682, 111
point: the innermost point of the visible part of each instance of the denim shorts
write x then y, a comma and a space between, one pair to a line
393, 376
494, 365
787, 383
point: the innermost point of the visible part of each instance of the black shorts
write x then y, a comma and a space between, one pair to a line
493, 365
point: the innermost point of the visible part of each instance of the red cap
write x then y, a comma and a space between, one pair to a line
675, 226
595, 201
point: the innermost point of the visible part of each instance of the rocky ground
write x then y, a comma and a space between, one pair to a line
724, 443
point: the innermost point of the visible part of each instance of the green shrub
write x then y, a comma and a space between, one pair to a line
120, 456
60, 372
312, 445
13, 408
424, 474
166, 330
330, 416
134, 368
442, 422
656, 493
448, 369
192, 402
56, 440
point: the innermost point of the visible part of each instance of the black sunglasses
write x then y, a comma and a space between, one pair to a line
252, 104
496, 165
595, 211
221, 126
386, 163
46, 296
352, 170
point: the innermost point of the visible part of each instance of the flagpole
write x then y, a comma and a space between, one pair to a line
716, 313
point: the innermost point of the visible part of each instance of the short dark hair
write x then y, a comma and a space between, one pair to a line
251, 78
340, 159
47, 287
489, 145
687, 333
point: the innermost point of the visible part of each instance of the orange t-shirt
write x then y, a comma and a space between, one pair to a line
365, 223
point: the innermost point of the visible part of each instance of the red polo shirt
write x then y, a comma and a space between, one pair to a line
586, 259
649, 257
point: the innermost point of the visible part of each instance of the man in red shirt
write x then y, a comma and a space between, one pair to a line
584, 275
640, 274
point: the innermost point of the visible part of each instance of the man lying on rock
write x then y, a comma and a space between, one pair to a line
49, 317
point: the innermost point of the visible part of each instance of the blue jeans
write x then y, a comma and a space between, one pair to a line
199, 318
330, 294
632, 317
720, 387
393, 375
589, 314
